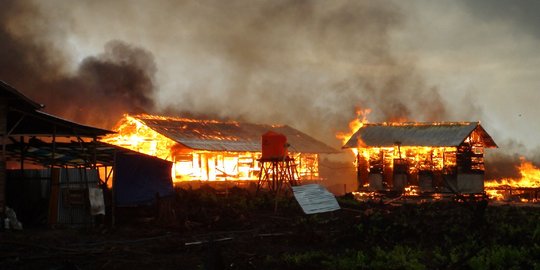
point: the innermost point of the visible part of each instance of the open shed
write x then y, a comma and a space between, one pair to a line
54, 171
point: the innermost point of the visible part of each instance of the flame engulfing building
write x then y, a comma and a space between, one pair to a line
212, 150
436, 157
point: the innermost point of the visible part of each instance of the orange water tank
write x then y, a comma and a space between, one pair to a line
274, 146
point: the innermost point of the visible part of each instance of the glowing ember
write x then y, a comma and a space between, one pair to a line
412, 191
364, 195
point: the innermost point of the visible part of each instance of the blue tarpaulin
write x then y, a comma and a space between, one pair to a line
139, 179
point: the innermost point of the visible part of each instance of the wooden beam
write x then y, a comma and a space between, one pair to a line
3, 137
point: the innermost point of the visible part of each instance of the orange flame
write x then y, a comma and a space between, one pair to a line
530, 177
500, 189
354, 125
135, 135
412, 160
190, 164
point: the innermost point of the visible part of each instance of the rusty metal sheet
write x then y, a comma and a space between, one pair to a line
230, 136
417, 134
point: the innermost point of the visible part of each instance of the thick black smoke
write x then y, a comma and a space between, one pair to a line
304, 63
119, 80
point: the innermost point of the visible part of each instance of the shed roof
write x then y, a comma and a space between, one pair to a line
439, 134
16, 98
74, 154
39, 123
213, 135
24, 117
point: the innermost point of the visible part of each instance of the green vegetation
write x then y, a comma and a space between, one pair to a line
238, 229
433, 235
441, 235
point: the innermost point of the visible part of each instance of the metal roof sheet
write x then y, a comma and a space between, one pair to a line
74, 154
17, 98
445, 134
25, 117
229, 136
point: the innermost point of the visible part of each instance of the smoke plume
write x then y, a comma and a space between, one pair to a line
98, 92
505, 163
308, 64
303, 63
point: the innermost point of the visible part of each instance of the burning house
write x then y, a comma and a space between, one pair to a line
210, 150
436, 157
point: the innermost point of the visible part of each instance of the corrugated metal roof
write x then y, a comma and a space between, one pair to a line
417, 134
229, 136
25, 117
74, 154
14, 96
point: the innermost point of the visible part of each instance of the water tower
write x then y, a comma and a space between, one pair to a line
277, 168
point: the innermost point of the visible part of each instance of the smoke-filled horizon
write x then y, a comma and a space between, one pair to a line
98, 91
308, 64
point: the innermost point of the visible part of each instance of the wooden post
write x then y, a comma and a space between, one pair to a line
54, 185
358, 171
94, 152
113, 191
23, 150
54, 196
3, 136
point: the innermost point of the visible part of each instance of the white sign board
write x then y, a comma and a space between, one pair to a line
97, 204
314, 198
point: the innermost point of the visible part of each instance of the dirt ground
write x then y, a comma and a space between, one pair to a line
206, 229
